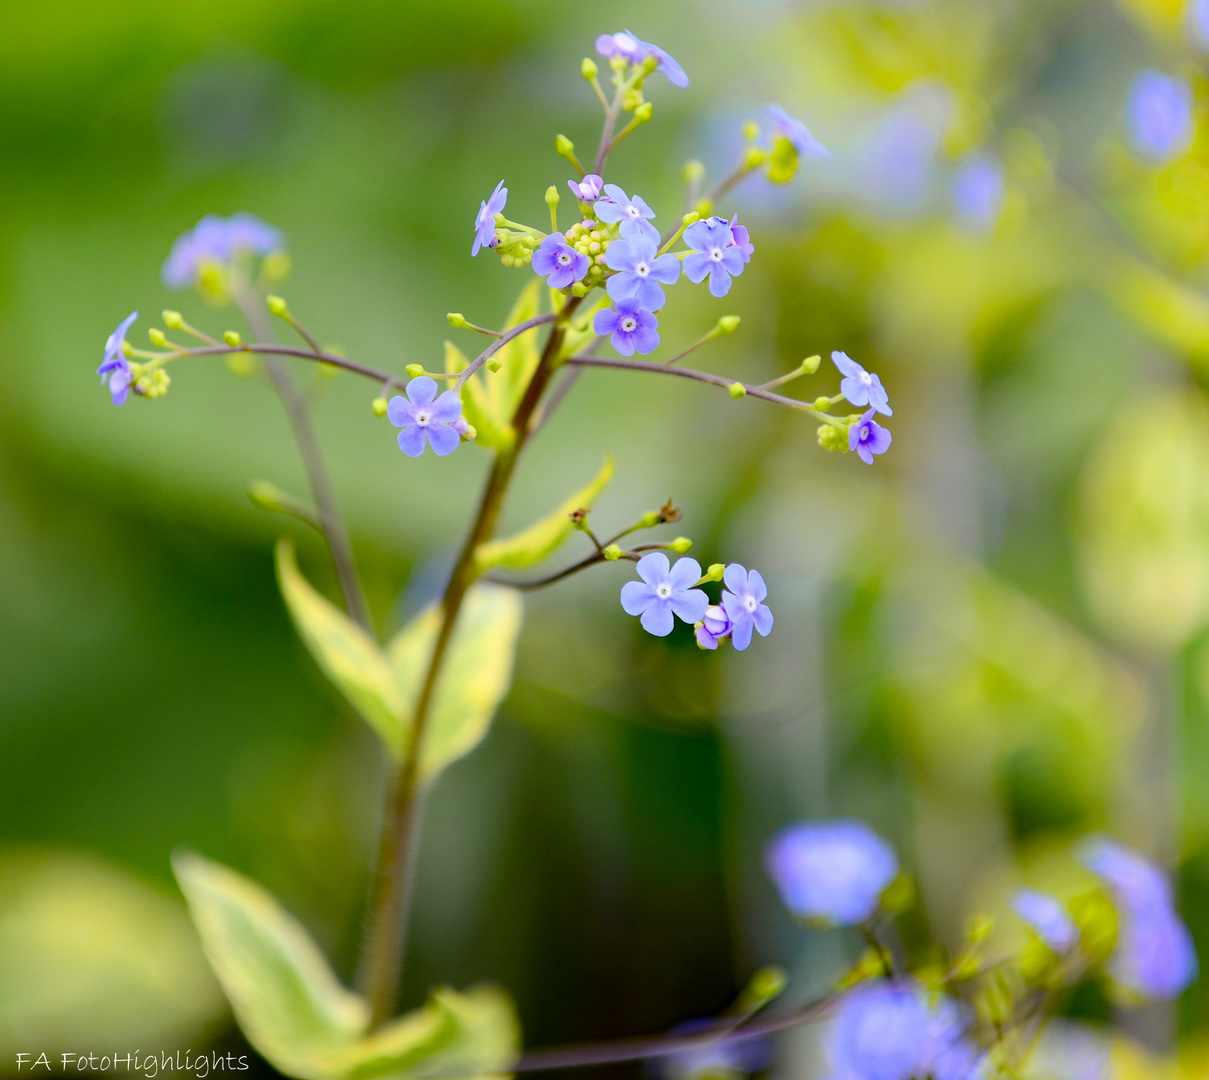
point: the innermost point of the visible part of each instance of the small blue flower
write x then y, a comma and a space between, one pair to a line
1048, 918
714, 254
859, 386
744, 604
796, 132
635, 50
633, 328
427, 418
559, 263
639, 271
217, 240
114, 364
833, 870
664, 591
977, 190
588, 189
867, 437
484, 221
1159, 114
1155, 956
633, 214
715, 625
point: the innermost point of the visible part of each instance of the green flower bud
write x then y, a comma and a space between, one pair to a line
692, 172
728, 324
277, 306
811, 364
644, 112
564, 147
822, 403
469, 434
681, 545
241, 364
579, 289
157, 337
276, 267
833, 438
738, 390
587, 69
783, 161
232, 338
494, 365
612, 553
650, 519
692, 216
457, 319
379, 406
765, 985
414, 370
172, 319
153, 384
552, 196
715, 571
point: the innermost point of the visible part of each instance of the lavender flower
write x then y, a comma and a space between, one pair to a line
425, 417
588, 189
217, 240
740, 239
744, 605
664, 591
1198, 22
867, 437
859, 386
713, 627
114, 364
633, 214
976, 191
636, 51
714, 254
1048, 918
1155, 956
833, 870
639, 271
559, 263
795, 132
1159, 114
484, 222
634, 329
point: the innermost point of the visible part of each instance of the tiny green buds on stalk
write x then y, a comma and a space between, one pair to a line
822, 403
833, 437
693, 172
552, 199
172, 319
728, 324
588, 70
379, 406
457, 320
738, 390
414, 370
157, 338
232, 338
278, 306
681, 545
715, 572
612, 553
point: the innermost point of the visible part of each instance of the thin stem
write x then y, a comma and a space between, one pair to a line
268, 349
789, 376
606, 135
498, 344
387, 932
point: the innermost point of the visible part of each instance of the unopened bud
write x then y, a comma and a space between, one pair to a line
494, 365
157, 337
612, 553
457, 319
414, 371
715, 571
765, 985
822, 403
728, 324
811, 364
755, 157
588, 68
579, 289
379, 406
738, 390
644, 112
690, 217
551, 196
264, 496
277, 306
564, 147
469, 434
172, 320
692, 172
232, 338
832, 437
650, 519
751, 131
681, 545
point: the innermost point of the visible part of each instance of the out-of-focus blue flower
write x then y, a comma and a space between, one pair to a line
713, 627
977, 190
1158, 113
867, 437
588, 189
633, 214
427, 419
484, 221
559, 263
796, 132
1155, 956
664, 591
1047, 917
635, 50
949, 1053
744, 604
1069, 1051
640, 270
114, 364
717, 1059
633, 328
832, 870
861, 387
893, 167
216, 239
714, 255
1198, 22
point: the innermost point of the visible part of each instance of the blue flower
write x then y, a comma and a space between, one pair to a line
714, 253
739, 237
664, 591
639, 271
859, 386
1155, 956
114, 364
795, 132
426, 418
977, 191
1198, 22
1159, 114
867, 437
715, 624
1048, 918
586, 190
633, 214
636, 51
633, 328
484, 221
744, 605
833, 870
559, 263
217, 240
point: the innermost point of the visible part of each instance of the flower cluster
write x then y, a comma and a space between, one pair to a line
206, 255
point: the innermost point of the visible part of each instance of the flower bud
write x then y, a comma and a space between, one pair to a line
564, 147
241, 364
232, 338
728, 324
551, 196
469, 434
650, 519
379, 406
588, 68
738, 390
457, 319
765, 985
691, 217
681, 545
715, 571
692, 172
612, 553
811, 364
644, 112
832, 437
414, 371
275, 266
751, 131
157, 337
494, 365
822, 403
173, 320
277, 306
579, 289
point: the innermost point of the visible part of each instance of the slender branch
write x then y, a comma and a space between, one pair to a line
498, 344
606, 135
267, 349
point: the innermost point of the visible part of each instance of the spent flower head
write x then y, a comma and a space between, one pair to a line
639, 271
427, 419
664, 591
484, 220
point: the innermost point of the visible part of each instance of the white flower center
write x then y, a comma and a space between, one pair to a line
422, 419
750, 603
664, 591
642, 270
865, 432
563, 258
865, 379
629, 324
716, 254
632, 211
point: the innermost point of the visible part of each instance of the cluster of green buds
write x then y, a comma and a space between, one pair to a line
515, 246
592, 238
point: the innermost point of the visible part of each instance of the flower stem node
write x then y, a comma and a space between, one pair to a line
681, 545
738, 390
612, 553
588, 70
833, 438
728, 324
457, 320
715, 572
157, 338
232, 338
811, 364
414, 371
278, 306
379, 406
172, 319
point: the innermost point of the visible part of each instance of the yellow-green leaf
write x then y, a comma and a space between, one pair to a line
519, 358
543, 537
345, 653
286, 998
493, 429
474, 677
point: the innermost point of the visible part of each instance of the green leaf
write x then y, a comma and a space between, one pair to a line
345, 653
493, 428
519, 358
474, 678
542, 538
286, 998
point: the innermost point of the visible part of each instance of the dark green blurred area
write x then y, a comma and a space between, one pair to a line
986, 646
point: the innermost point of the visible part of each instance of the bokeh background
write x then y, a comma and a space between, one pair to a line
987, 646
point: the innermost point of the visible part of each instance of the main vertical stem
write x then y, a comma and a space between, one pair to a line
390, 903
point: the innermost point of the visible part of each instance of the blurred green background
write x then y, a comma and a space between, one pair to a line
986, 646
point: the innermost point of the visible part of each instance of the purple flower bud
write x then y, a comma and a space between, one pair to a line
664, 591
639, 271
217, 240
632, 214
635, 50
713, 627
559, 263
743, 602
427, 419
114, 364
1159, 114
833, 870
588, 189
484, 221
715, 255
1048, 918
867, 437
795, 131
633, 328
861, 387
